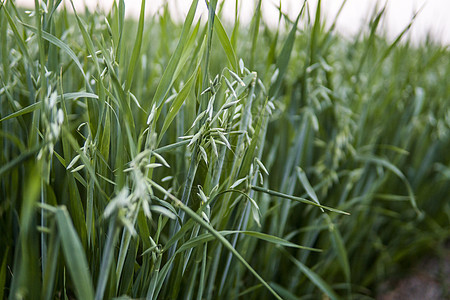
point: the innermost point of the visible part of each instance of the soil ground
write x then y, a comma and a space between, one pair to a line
428, 280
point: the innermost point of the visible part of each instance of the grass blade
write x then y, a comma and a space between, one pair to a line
167, 78
137, 47
74, 255
316, 279
226, 44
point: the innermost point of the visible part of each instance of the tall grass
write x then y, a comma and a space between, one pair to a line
150, 159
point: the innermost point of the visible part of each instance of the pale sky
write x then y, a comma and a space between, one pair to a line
433, 18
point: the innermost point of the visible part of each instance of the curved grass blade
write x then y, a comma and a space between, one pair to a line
57, 42
269, 238
137, 47
3, 273
19, 159
284, 57
298, 199
316, 279
339, 246
226, 44
87, 39
50, 268
309, 189
74, 255
193, 215
177, 103
396, 171
37, 105
167, 78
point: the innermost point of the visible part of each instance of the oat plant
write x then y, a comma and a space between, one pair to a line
155, 159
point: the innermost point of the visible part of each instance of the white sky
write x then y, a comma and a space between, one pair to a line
434, 18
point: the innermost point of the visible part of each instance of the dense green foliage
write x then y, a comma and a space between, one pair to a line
152, 159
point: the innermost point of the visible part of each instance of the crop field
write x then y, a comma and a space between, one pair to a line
203, 159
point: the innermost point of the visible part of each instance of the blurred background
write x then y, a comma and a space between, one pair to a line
431, 22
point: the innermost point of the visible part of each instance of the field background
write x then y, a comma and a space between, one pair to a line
431, 20
149, 158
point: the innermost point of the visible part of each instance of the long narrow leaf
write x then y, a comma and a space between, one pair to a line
74, 255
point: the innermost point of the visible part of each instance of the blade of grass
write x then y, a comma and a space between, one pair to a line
396, 171
316, 279
309, 189
3, 273
226, 44
284, 57
298, 199
137, 47
60, 44
216, 234
167, 78
74, 255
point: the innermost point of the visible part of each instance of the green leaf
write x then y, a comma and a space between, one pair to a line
17, 35
25, 267
137, 47
57, 42
3, 273
269, 238
107, 257
167, 78
163, 211
396, 171
298, 199
52, 260
316, 279
37, 105
309, 189
19, 159
194, 216
226, 44
283, 59
339, 247
177, 103
87, 39
23, 111
74, 255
